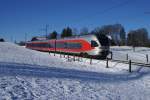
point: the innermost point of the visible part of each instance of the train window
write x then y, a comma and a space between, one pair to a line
94, 43
43, 45
74, 45
49, 45
60, 45
65, 45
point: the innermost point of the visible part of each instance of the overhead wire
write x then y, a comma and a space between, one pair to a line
121, 4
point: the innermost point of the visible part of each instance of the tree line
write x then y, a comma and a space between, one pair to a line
138, 37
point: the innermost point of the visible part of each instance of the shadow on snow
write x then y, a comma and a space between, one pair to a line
13, 69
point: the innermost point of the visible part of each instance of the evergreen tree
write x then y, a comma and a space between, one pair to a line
2, 40
67, 32
53, 35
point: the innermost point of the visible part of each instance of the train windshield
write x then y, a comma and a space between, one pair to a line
103, 39
94, 43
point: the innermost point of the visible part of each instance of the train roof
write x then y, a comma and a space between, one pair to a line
79, 36
67, 38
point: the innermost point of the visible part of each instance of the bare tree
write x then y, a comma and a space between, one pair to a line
138, 37
84, 31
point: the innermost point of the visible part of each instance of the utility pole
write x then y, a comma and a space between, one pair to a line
46, 29
25, 37
11, 38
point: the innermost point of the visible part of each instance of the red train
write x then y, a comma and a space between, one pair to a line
86, 45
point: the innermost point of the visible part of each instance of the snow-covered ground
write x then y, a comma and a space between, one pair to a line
32, 75
139, 55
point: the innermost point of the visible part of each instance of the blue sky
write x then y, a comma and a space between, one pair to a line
18, 17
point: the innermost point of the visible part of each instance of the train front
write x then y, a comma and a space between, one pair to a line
104, 46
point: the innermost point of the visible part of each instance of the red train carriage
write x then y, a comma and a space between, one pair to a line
92, 45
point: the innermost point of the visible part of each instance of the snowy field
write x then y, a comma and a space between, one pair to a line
139, 55
31, 75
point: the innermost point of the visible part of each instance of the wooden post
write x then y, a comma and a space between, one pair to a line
55, 48
74, 59
127, 56
107, 63
130, 66
133, 48
68, 57
90, 60
111, 54
147, 58
78, 58
81, 59
64, 55
60, 55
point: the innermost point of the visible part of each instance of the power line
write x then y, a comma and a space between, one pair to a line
146, 13
106, 10
45, 30
138, 20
